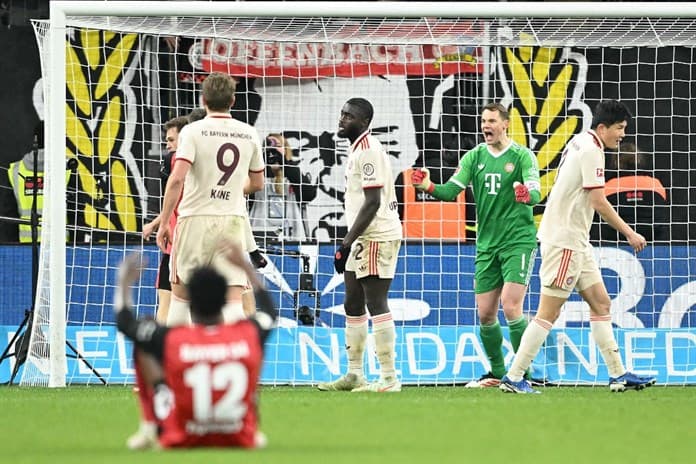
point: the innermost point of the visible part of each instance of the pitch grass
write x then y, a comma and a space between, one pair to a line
419, 425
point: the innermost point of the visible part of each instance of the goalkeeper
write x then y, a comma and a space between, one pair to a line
505, 180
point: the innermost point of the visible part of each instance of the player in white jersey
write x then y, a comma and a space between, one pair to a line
369, 251
218, 162
567, 259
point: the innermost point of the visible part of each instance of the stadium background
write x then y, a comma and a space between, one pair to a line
664, 129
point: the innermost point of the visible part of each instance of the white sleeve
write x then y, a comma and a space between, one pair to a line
592, 166
186, 147
372, 169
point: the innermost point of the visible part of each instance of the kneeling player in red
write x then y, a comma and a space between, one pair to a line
198, 383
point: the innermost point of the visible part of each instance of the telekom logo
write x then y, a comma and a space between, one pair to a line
492, 182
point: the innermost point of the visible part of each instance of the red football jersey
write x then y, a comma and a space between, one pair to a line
212, 372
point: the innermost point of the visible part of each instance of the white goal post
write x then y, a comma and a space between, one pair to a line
493, 29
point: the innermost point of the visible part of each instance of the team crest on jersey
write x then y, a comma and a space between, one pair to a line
600, 173
509, 167
569, 280
368, 169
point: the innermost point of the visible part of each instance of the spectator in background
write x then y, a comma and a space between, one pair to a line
17, 186
278, 211
638, 196
183, 372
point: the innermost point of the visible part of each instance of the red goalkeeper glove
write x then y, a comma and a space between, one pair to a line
521, 192
420, 178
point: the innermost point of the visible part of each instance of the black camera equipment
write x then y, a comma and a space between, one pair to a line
303, 314
272, 156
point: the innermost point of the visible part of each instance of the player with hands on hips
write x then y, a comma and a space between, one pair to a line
504, 177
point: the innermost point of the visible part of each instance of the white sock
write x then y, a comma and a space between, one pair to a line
532, 339
385, 342
233, 312
603, 335
179, 312
356, 337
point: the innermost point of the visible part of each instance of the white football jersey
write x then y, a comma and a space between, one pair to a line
222, 151
369, 167
568, 215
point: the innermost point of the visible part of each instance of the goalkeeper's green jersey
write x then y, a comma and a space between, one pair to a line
501, 221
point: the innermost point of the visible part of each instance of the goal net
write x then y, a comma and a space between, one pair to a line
115, 72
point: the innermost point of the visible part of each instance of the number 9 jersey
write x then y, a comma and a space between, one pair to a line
222, 151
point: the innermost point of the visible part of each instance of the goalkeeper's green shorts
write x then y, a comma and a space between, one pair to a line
495, 267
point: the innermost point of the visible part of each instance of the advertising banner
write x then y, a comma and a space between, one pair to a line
425, 355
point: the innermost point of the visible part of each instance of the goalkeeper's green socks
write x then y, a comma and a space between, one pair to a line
492, 339
516, 330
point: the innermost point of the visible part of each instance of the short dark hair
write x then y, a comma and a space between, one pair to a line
207, 290
197, 114
179, 122
499, 108
365, 107
610, 112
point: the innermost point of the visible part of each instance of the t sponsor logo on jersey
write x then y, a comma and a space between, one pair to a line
509, 167
492, 182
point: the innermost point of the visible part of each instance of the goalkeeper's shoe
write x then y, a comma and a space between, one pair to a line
348, 382
144, 438
630, 381
487, 380
389, 385
523, 386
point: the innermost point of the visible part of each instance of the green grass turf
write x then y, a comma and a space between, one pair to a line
419, 425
